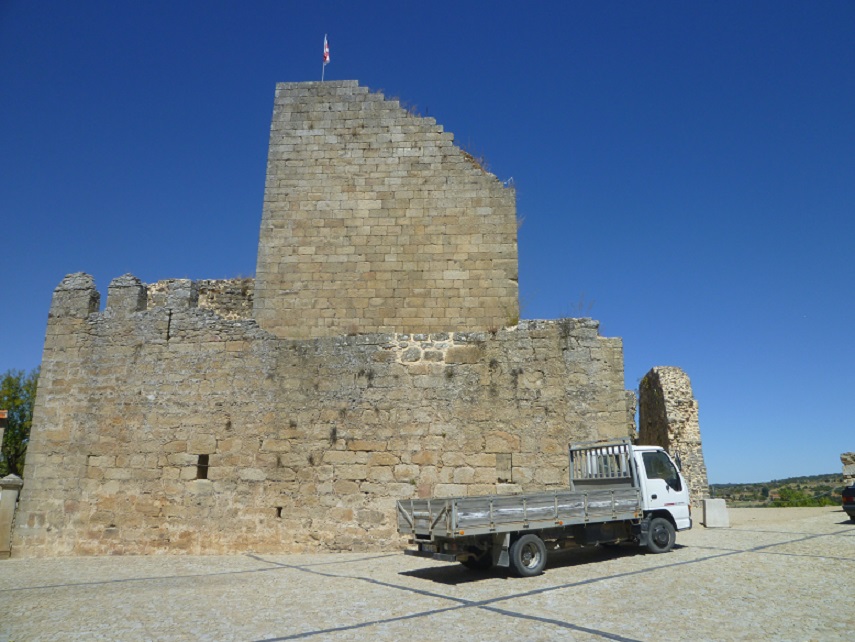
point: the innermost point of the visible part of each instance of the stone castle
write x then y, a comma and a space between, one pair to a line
377, 355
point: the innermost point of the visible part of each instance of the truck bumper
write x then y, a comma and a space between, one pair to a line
442, 557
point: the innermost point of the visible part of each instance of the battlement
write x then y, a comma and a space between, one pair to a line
374, 221
77, 296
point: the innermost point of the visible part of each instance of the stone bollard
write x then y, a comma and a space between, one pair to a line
715, 514
9, 488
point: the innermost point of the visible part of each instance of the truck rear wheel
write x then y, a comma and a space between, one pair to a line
528, 555
661, 535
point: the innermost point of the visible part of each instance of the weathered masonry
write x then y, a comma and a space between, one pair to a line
377, 356
668, 417
375, 221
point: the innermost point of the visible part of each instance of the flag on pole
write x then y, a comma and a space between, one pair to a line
326, 50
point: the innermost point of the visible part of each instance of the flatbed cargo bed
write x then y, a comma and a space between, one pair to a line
453, 517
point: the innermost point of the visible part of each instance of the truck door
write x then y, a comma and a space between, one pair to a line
664, 487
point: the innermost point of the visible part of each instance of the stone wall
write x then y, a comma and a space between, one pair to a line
668, 417
173, 429
229, 298
374, 221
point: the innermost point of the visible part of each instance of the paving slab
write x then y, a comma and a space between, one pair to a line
776, 574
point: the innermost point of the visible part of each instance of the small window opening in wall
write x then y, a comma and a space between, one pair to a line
202, 467
279, 512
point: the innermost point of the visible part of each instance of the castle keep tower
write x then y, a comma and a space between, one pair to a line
375, 221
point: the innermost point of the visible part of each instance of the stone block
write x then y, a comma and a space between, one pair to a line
182, 459
404, 472
276, 445
202, 444
182, 293
450, 490
454, 459
354, 472
126, 294
463, 354
370, 446
501, 442
382, 459
715, 513
187, 473
252, 474
380, 474
464, 475
343, 487
75, 296
344, 457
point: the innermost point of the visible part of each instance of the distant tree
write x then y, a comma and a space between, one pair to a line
18, 396
792, 497
765, 492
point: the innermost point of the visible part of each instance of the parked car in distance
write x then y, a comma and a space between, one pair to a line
849, 501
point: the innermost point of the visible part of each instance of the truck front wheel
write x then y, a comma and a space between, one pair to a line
661, 535
528, 555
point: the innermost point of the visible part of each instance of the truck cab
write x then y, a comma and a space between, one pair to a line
662, 486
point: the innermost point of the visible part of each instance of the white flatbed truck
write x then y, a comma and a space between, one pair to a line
619, 492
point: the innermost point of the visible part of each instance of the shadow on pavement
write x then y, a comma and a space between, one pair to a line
456, 574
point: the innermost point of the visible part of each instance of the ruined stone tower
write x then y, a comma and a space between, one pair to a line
668, 417
374, 221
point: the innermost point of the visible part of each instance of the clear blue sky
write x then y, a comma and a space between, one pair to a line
685, 169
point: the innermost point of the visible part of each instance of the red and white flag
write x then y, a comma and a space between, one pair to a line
326, 51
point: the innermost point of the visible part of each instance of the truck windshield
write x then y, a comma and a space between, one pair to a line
657, 465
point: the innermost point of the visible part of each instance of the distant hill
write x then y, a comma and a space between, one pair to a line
810, 490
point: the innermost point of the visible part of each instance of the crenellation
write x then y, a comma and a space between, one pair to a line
76, 296
126, 294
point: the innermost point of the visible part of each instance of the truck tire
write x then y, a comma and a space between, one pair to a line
660, 535
528, 556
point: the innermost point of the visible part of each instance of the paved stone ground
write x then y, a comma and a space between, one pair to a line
777, 574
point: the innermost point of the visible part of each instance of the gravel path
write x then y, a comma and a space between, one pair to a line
776, 574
